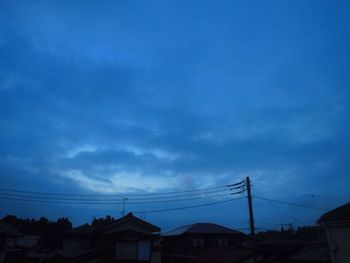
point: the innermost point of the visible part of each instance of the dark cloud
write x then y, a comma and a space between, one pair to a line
175, 96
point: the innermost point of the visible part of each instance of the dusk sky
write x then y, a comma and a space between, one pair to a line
133, 97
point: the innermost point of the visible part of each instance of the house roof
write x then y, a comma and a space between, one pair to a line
341, 213
107, 228
223, 255
201, 228
86, 229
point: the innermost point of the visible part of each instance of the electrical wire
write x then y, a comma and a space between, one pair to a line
98, 199
188, 207
59, 201
111, 195
285, 213
280, 210
290, 203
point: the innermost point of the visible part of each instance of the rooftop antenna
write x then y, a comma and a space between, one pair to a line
124, 201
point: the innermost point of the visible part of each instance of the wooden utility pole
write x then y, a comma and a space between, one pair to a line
251, 219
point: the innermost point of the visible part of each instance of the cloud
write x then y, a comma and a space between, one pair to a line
154, 96
122, 182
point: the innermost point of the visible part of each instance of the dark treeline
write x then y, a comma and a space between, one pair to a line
305, 233
101, 221
51, 232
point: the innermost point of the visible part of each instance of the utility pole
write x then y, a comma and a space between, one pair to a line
251, 219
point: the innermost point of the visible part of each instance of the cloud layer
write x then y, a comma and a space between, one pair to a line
153, 96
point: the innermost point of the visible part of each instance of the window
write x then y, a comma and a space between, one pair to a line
198, 242
126, 250
144, 252
222, 242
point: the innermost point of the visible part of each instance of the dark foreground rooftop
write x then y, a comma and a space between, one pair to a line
341, 213
201, 228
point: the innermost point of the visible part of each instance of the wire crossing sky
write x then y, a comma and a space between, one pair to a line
149, 97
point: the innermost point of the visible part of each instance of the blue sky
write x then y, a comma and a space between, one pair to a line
154, 96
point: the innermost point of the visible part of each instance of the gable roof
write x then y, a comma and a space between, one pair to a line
201, 228
341, 213
129, 218
86, 229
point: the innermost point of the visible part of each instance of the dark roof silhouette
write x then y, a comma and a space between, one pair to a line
87, 229
201, 228
128, 218
341, 213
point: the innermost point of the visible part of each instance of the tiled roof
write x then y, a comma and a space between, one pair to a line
341, 213
178, 231
201, 228
128, 218
106, 227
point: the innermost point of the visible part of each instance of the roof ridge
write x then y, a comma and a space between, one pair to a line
205, 228
128, 217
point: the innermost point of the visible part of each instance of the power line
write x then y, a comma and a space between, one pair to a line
188, 207
281, 211
290, 203
102, 202
285, 213
111, 195
63, 206
98, 199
